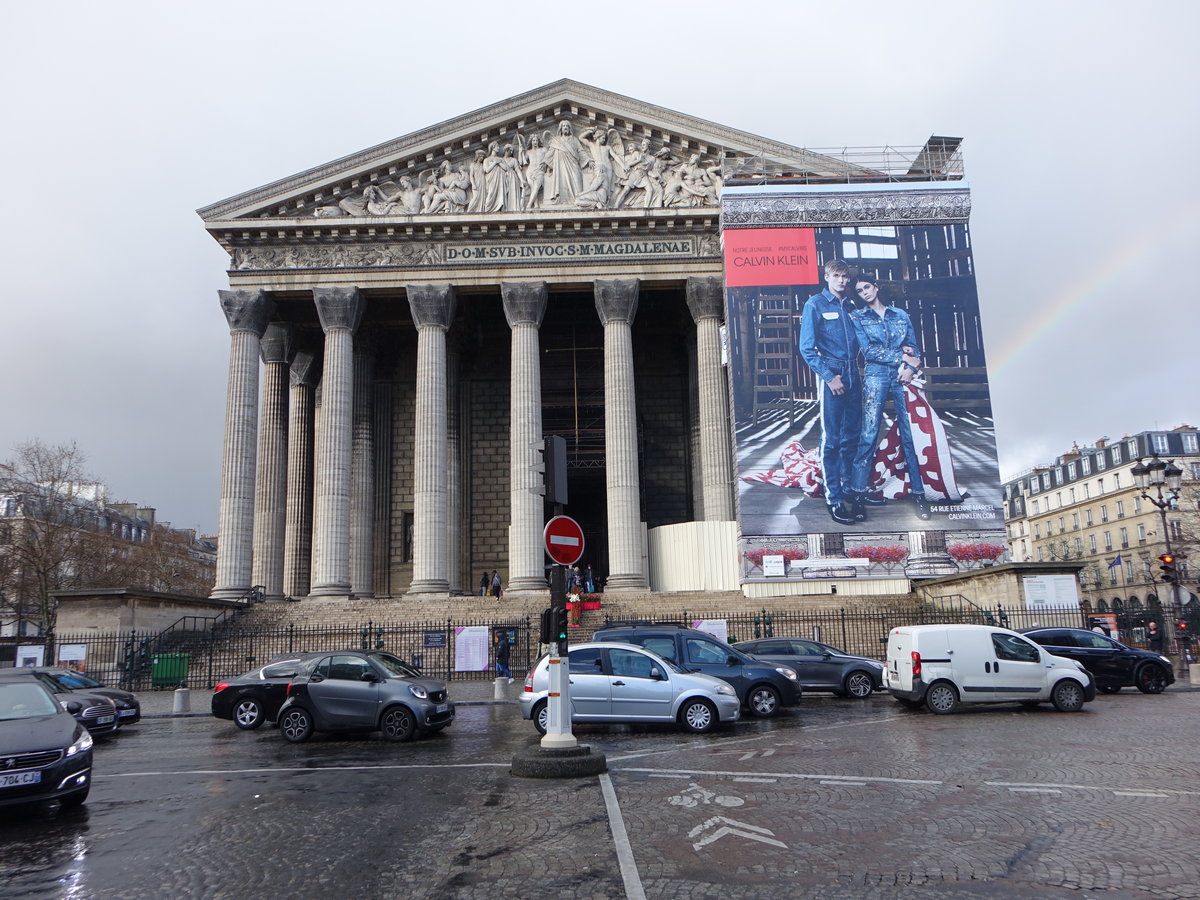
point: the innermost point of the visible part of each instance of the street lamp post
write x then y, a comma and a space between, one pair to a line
1157, 474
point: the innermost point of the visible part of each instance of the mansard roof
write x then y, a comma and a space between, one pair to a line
399, 178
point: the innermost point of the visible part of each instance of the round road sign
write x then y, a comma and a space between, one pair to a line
564, 540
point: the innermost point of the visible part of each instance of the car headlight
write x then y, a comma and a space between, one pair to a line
1166, 660
724, 688
83, 743
419, 692
790, 674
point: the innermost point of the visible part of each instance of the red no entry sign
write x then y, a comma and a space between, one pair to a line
564, 540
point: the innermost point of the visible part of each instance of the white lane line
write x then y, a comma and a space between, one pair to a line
747, 755
768, 753
854, 783
308, 769
1139, 794
669, 776
616, 823
1034, 790
839, 779
1168, 792
747, 780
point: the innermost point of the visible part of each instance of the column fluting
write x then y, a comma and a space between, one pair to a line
271, 495
362, 492
706, 300
297, 528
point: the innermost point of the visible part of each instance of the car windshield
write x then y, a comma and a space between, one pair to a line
25, 701
395, 666
74, 681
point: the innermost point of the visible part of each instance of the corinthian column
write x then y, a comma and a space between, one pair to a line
297, 528
340, 310
362, 494
432, 308
247, 313
616, 303
706, 300
524, 306
271, 496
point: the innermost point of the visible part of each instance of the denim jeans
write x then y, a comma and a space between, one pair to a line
876, 390
841, 418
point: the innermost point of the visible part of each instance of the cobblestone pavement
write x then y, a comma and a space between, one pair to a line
840, 799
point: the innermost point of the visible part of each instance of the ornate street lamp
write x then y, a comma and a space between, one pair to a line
1157, 474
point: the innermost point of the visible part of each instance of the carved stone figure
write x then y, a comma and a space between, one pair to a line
512, 184
536, 166
638, 160
475, 173
493, 174
409, 198
567, 160
606, 153
450, 195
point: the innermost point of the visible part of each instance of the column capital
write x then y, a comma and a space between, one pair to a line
247, 311
706, 297
339, 307
524, 302
276, 345
616, 299
304, 371
432, 305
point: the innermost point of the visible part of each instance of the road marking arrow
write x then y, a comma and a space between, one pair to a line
750, 833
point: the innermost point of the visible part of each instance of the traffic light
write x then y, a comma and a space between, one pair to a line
1170, 575
554, 626
546, 629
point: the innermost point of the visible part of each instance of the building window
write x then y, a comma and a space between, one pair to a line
1128, 570
1087, 491
1085, 465
1159, 442
1046, 481
1137, 504
1195, 467
1100, 485
1141, 534
1101, 461
1117, 452
1062, 525
1124, 538
1078, 545
1116, 481
1034, 507
1088, 516
1112, 576
1103, 512
1092, 542
1120, 509
1176, 529
1147, 572
1024, 551
1072, 495
1037, 532
1189, 441
1039, 554
1070, 470
1108, 540
1074, 521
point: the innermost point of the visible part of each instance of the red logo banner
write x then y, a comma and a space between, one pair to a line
770, 256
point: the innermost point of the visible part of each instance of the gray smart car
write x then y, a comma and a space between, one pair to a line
363, 690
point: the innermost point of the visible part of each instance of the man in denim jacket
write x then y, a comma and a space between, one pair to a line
889, 347
829, 346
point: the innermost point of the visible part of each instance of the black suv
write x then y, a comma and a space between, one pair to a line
1111, 663
761, 687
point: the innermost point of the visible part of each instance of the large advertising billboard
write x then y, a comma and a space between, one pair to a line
862, 419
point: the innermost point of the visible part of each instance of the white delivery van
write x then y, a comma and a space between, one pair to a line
943, 666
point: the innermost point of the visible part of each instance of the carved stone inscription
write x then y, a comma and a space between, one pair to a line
553, 169
424, 253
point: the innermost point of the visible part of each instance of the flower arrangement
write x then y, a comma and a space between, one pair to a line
789, 554
888, 554
978, 551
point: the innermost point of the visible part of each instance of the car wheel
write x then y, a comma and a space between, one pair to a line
1067, 696
859, 685
541, 717
397, 723
1151, 679
941, 698
763, 701
248, 714
1110, 688
75, 800
296, 725
908, 704
698, 716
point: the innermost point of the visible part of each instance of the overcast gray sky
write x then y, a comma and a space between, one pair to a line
121, 119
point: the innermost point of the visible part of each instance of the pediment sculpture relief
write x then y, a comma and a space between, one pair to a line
555, 169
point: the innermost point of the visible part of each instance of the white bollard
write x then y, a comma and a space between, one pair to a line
500, 692
183, 700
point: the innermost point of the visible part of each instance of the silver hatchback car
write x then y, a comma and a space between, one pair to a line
613, 682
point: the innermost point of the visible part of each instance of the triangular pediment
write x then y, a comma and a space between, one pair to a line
563, 147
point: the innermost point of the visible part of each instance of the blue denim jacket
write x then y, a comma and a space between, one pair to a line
882, 338
826, 332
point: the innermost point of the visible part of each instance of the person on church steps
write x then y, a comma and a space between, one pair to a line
484, 581
495, 584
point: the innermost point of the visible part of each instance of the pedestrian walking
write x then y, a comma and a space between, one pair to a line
496, 584
484, 581
1155, 638
589, 584
502, 669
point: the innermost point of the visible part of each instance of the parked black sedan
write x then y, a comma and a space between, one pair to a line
96, 713
254, 697
363, 690
44, 753
1113, 664
129, 708
820, 667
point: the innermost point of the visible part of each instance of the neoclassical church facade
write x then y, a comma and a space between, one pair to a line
408, 323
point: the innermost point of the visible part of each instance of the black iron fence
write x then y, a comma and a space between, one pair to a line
202, 651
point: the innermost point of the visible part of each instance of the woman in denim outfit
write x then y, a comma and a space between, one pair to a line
889, 347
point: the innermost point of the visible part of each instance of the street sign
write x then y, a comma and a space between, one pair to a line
564, 540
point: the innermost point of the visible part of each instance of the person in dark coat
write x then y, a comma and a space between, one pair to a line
495, 583
502, 669
1155, 638
484, 581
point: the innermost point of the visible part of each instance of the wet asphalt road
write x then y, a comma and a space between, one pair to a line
837, 799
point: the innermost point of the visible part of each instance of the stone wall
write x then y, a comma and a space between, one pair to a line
486, 481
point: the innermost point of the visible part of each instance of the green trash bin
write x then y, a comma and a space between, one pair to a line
169, 669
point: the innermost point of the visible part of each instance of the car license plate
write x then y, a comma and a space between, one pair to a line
16, 779
104, 720
128, 712
442, 707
